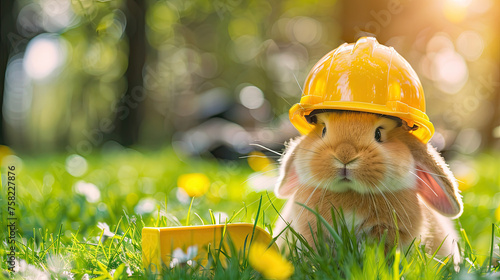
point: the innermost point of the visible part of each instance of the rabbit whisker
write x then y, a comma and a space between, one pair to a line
425, 171
317, 134
258, 173
389, 204
307, 201
265, 148
322, 196
401, 204
425, 183
374, 206
366, 150
289, 104
298, 82
257, 156
434, 174
308, 150
308, 182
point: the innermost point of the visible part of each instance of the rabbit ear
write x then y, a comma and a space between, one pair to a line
435, 183
288, 180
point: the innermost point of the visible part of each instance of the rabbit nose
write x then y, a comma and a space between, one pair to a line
343, 171
345, 163
346, 153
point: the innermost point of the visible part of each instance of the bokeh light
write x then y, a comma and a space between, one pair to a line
145, 206
76, 165
251, 97
194, 184
44, 54
470, 44
57, 14
88, 190
258, 161
17, 95
456, 10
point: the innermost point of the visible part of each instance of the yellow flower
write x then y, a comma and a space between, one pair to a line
259, 161
5, 151
269, 262
467, 181
195, 184
497, 214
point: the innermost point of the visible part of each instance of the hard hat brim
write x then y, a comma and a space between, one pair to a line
398, 109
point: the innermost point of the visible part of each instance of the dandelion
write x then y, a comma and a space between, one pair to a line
497, 214
194, 184
269, 262
259, 162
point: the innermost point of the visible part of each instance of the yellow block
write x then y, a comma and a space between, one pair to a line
158, 244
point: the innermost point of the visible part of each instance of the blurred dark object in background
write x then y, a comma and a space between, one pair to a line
211, 78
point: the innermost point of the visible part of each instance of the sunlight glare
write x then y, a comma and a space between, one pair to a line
44, 55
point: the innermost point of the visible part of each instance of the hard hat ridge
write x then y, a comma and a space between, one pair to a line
368, 77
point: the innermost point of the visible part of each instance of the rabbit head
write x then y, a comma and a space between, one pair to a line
366, 153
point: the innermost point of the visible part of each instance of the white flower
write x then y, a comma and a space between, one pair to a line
28, 271
89, 190
56, 264
221, 217
179, 257
129, 271
105, 228
145, 206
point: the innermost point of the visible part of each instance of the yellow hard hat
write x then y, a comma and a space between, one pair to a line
366, 77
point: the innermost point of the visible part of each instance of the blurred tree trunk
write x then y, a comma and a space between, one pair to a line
7, 25
489, 139
128, 120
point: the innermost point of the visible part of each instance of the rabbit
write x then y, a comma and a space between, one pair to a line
369, 165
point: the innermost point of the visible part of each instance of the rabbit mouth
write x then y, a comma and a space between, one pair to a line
345, 174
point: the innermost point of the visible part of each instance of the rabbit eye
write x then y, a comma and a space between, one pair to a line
324, 132
378, 134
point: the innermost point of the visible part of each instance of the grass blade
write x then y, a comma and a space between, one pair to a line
189, 211
329, 227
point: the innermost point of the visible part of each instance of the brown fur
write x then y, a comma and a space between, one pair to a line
373, 210
380, 181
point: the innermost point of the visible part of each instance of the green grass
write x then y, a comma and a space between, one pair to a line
58, 233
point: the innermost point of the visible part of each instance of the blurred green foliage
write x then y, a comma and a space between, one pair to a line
481, 201
192, 47
125, 182
177, 56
